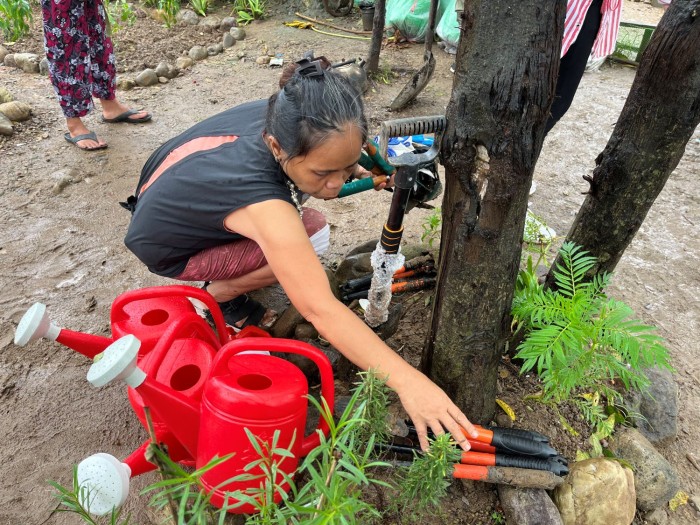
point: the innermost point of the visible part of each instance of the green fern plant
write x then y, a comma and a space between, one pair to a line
577, 337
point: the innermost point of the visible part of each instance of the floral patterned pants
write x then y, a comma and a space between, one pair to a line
80, 54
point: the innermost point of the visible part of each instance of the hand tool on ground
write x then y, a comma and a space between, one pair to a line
494, 460
411, 167
508, 442
425, 263
397, 287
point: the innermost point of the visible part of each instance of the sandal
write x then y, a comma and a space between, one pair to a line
244, 309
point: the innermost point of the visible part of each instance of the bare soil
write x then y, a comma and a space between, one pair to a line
63, 246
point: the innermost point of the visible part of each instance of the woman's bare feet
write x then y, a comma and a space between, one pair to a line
112, 109
77, 128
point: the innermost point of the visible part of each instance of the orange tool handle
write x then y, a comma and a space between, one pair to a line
475, 472
478, 446
478, 458
404, 275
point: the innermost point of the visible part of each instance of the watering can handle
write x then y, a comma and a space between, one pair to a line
177, 290
183, 326
287, 346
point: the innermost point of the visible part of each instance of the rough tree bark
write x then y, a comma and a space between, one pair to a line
506, 71
377, 36
649, 139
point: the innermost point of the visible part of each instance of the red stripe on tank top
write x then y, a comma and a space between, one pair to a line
187, 149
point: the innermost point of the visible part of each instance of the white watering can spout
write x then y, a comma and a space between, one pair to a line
103, 482
35, 324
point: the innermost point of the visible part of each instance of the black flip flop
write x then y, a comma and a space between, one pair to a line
86, 136
243, 307
124, 117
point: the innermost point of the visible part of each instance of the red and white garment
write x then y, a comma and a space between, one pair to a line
604, 43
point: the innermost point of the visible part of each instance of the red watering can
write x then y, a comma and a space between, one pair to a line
259, 392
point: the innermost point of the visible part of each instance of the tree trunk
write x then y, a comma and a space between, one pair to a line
649, 139
506, 72
377, 36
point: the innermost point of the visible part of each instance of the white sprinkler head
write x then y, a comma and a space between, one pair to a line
103, 482
35, 324
118, 362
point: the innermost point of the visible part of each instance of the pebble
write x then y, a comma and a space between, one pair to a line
5, 126
9, 60
198, 53
187, 17
237, 33
228, 40
5, 95
163, 80
262, 60
44, 66
16, 111
184, 62
3, 53
227, 23
147, 77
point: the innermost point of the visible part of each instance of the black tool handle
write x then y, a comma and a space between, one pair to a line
528, 434
520, 446
358, 284
504, 460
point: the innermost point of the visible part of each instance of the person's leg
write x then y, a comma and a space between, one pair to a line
573, 65
67, 45
103, 64
234, 269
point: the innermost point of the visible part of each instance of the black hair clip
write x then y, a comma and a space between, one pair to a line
309, 68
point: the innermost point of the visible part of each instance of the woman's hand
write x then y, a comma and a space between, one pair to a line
429, 407
362, 173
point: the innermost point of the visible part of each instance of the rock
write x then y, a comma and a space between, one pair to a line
528, 506
147, 77
65, 178
227, 23
44, 66
5, 95
237, 33
597, 491
183, 62
215, 49
504, 421
365, 247
6, 126
211, 22
9, 60
3, 53
162, 69
655, 480
305, 331
656, 517
659, 406
228, 40
163, 80
16, 111
187, 17
262, 60
353, 267
27, 62
125, 84
198, 53
286, 323
389, 327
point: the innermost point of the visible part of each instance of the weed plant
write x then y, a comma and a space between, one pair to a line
432, 227
580, 340
200, 6
169, 10
248, 10
15, 17
119, 14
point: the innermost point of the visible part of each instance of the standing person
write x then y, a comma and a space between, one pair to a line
221, 203
82, 66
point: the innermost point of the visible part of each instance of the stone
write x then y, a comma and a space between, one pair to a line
597, 491
44, 66
9, 60
3, 53
262, 60
227, 23
183, 62
353, 267
215, 49
27, 62
125, 84
286, 323
528, 506
16, 111
305, 331
211, 22
504, 420
162, 69
64, 178
163, 80
365, 247
6, 128
655, 480
5, 95
237, 33
198, 53
659, 406
656, 517
147, 77
228, 40
187, 17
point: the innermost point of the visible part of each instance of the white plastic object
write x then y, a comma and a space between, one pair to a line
118, 362
35, 324
103, 482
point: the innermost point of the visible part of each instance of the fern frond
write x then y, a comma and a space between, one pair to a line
577, 262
